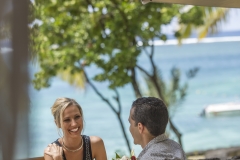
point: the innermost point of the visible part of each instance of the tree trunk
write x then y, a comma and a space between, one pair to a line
124, 132
158, 88
118, 114
134, 84
178, 134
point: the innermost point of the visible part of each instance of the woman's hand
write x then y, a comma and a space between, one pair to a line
54, 151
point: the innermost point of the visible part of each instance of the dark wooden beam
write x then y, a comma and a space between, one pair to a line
210, 3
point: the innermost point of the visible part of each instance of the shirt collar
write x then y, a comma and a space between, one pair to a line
157, 139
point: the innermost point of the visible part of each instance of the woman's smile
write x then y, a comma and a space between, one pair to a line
75, 129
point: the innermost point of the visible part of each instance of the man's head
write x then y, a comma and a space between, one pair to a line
149, 112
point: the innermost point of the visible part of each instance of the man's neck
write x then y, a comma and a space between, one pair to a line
146, 140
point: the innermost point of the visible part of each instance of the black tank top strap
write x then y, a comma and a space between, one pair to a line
87, 151
57, 143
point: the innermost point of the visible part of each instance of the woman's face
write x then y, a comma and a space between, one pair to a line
72, 122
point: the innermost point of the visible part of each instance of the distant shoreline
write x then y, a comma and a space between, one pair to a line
217, 34
223, 153
196, 40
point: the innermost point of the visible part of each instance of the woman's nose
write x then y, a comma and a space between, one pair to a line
73, 122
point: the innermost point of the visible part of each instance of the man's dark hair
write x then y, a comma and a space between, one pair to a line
152, 113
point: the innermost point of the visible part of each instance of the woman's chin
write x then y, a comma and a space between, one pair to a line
75, 134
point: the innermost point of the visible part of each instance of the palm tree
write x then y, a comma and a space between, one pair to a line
212, 18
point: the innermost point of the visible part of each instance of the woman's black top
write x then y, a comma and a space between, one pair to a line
87, 151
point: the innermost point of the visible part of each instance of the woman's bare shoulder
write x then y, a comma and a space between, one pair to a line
98, 148
95, 139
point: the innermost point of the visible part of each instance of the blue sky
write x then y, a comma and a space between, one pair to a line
233, 23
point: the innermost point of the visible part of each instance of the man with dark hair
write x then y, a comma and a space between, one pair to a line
148, 120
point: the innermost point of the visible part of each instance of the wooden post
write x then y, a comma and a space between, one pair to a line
14, 95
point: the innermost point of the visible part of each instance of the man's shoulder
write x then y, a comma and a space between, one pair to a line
168, 145
173, 144
168, 149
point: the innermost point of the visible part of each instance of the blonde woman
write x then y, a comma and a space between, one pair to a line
68, 116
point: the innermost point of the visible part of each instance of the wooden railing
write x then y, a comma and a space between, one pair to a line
35, 158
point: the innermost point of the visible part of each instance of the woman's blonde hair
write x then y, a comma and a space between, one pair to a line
60, 105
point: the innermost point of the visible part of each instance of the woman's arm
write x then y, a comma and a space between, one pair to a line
53, 152
98, 148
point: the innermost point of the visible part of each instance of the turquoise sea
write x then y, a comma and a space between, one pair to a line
218, 81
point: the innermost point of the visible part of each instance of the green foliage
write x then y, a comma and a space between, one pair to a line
206, 21
194, 15
117, 156
75, 34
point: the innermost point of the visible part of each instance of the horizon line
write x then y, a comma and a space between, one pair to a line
197, 40
175, 41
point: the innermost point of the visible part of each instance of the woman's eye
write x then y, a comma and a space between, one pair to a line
77, 117
66, 120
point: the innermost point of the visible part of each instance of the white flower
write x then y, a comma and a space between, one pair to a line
125, 158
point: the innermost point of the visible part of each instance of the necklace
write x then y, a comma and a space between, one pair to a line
70, 149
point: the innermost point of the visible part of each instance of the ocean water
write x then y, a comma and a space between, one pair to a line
218, 81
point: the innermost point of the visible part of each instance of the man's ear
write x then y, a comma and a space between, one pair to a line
140, 127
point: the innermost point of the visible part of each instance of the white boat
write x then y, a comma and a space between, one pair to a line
221, 109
